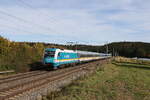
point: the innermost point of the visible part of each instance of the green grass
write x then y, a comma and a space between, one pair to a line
116, 81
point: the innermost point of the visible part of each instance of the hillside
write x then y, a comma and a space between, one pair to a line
131, 49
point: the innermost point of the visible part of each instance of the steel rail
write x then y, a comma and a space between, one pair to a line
20, 88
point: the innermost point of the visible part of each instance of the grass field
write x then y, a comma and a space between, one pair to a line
114, 81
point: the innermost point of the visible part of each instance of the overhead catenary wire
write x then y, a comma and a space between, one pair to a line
28, 5
33, 24
34, 8
26, 21
15, 28
20, 28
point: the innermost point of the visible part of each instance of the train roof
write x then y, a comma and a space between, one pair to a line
75, 51
51, 49
87, 52
62, 50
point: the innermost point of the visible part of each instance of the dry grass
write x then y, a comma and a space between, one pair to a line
110, 82
129, 60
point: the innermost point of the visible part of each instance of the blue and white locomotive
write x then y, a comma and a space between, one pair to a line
57, 57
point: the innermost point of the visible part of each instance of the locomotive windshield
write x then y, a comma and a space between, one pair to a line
49, 54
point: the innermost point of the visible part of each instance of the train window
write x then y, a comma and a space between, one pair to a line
49, 54
59, 54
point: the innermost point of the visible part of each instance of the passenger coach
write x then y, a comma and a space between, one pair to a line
57, 57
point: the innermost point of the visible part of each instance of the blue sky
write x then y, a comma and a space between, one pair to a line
84, 21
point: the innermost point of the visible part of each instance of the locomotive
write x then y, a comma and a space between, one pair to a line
56, 57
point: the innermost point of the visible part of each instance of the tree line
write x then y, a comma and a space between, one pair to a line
127, 49
21, 56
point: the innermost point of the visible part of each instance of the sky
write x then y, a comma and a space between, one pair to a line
83, 21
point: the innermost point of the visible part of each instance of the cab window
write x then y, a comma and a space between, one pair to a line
49, 54
59, 54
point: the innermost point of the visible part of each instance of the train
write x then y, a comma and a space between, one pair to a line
56, 57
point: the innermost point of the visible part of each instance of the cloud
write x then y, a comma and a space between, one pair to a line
93, 21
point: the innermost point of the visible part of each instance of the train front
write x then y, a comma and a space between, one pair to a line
49, 57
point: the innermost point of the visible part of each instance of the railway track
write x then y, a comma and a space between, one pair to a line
18, 79
15, 85
18, 76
